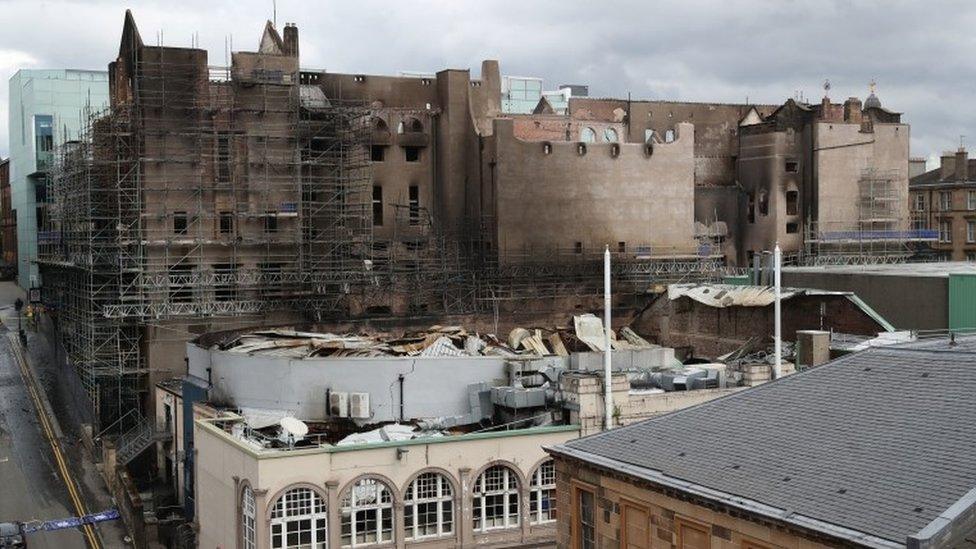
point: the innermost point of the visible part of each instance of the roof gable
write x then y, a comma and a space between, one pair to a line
271, 41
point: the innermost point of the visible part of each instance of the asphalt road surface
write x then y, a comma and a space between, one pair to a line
30, 486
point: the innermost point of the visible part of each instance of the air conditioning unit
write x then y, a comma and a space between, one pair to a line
359, 405
339, 404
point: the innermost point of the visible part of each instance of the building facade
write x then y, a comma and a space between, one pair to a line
47, 108
8, 223
943, 201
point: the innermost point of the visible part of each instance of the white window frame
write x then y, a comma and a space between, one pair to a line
248, 518
970, 231
419, 495
920, 202
971, 200
367, 495
945, 201
945, 231
507, 492
588, 135
542, 488
294, 507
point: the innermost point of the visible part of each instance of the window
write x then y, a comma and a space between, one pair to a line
179, 222
581, 149
971, 200
919, 224
792, 166
377, 152
945, 201
610, 135
945, 231
299, 520
919, 202
411, 154
587, 135
223, 157
226, 222
542, 494
43, 141
367, 514
496, 499
763, 203
621, 247
547, 148
578, 248
669, 136
414, 205
428, 507
751, 211
248, 515
377, 206
971, 231
271, 221
970, 256
585, 520
792, 199
792, 228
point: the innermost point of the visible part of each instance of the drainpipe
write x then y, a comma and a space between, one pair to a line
607, 376
777, 314
401, 397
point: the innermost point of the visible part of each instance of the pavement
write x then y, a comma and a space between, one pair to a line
32, 485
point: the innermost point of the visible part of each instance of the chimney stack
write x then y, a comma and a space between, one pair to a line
290, 40
962, 164
852, 110
947, 166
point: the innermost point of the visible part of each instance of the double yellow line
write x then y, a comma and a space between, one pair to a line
69, 480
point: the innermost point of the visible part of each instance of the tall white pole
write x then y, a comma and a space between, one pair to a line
778, 320
607, 375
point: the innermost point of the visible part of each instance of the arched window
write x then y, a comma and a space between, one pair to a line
428, 507
763, 203
299, 520
587, 135
379, 125
496, 499
367, 514
248, 516
542, 493
610, 135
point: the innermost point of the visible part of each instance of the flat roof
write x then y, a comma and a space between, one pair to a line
939, 269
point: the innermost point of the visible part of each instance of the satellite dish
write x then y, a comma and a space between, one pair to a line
294, 429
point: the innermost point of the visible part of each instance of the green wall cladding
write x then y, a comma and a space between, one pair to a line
962, 302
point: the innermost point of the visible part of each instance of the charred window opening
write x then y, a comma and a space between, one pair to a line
792, 228
792, 200
751, 209
763, 204
414, 205
180, 223
271, 221
578, 248
377, 206
792, 166
411, 154
226, 222
377, 153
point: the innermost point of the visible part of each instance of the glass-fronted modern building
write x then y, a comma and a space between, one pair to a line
47, 107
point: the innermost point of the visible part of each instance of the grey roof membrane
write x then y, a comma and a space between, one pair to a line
880, 441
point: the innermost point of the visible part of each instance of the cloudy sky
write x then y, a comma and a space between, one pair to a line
920, 53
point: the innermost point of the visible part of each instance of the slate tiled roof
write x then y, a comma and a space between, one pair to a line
879, 442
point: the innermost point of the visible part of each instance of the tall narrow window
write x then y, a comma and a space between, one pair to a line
299, 519
751, 208
585, 520
945, 201
271, 221
621, 247
763, 203
971, 200
377, 205
945, 231
223, 157
248, 516
919, 202
970, 232
542, 494
226, 222
414, 205
496, 499
428, 507
179, 223
692, 536
367, 514
792, 200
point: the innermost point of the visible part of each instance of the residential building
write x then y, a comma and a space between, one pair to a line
47, 108
853, 453
944, 201
8, 223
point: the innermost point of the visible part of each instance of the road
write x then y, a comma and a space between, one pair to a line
31, 484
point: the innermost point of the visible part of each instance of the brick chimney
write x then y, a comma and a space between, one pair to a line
290, 40
962, 164
852, 110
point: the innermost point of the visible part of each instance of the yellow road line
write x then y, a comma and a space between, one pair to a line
69, 480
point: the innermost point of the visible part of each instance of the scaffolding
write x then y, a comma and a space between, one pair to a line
210, 193
880, 233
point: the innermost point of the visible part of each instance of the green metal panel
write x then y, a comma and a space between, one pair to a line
737, 280
962, 302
